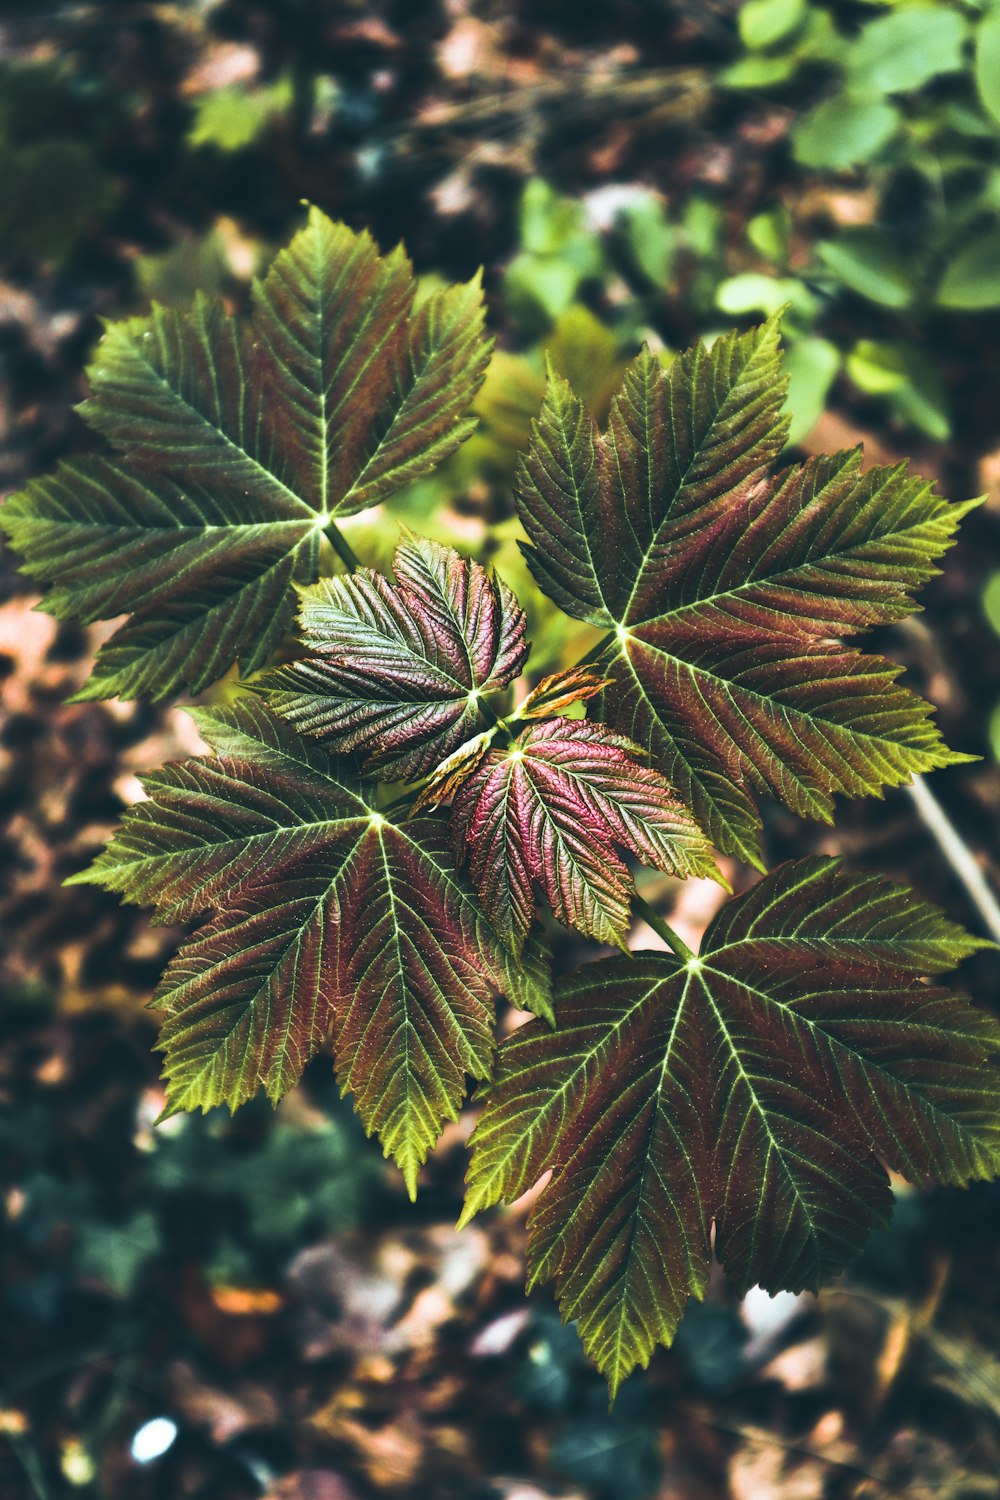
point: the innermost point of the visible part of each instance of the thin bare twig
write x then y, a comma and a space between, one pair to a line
958, 854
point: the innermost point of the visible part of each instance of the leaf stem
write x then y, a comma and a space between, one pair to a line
663, 929
342, 547
503, 727
403, 801
958, 854
597, 651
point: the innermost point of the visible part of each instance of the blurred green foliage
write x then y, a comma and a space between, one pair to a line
53, 187
258, 1189
907, 102
235, 116
912, 94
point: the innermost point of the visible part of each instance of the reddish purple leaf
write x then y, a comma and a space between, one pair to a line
396, 670
551, 812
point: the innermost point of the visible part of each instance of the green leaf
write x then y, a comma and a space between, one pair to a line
769, 233
397, 671
764, 23
869, 263
908, 378
752, 291
971, 278
757, 1088
759, 71
844, 132
232, 117
988, 62
550, 812
811, 366
648, 238
991, 601
238, 446
903, 51
329, 918
725, 587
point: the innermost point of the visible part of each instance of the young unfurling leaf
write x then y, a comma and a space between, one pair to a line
727, 589
550, 812
556, 693
445, 781
552, 696
236, 447
397, 671
329, 917
758, 1086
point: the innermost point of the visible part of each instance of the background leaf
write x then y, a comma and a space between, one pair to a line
871, 265
903, 50
843, 132
971, 279
988, 61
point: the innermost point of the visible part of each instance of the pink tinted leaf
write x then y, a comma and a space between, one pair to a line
556, 693
396, 671
549, 814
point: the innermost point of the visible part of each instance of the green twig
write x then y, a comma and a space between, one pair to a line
342, 547
597, 651
405, 800
666, 932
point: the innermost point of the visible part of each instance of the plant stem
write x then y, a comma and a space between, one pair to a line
402, 801
342, 547
502, 727
597, 651
958, 854
653, 919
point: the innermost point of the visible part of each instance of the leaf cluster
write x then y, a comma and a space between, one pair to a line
387, 802
911, 95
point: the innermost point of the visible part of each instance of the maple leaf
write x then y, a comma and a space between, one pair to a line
238, 447
550, 811
757, 1086
398, 671
330, 918
728, 590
